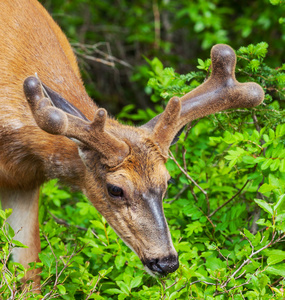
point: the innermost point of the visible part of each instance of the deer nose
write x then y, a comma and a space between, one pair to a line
164, 265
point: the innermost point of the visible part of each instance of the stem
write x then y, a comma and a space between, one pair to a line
232, 198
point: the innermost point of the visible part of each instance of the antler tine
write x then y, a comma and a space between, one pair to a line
221, 91
57, 122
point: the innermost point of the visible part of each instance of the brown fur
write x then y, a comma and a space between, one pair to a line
35, 144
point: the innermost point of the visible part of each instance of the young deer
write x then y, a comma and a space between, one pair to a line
120, 168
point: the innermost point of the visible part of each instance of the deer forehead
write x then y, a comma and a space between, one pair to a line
140, 172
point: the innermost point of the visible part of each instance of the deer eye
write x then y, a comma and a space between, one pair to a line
115, 191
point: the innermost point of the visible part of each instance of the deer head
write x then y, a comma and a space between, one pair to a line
124, 167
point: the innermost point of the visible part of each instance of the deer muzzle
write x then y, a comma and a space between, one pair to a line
163, 266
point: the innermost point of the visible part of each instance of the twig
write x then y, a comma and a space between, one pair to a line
56, 262
96, 59
277, 281
52, 294
204, 192
249, 241
156, 15
175, 281
236, 286
7, 284
94, 48
63, 222
187, 175
184, 171
228, 201
177, 196
94, 288
272, 242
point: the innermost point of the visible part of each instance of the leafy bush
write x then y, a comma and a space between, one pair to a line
225, 211
120, 35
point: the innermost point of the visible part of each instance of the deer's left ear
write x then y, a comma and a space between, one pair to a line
176, 138
61, 103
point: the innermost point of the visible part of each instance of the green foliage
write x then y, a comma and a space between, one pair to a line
118, 35
226, 210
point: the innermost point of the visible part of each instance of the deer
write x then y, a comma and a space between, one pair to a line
50, 128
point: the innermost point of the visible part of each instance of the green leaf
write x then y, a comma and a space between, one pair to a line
201, 64
277, 270
97, 224
19, 244
214, 263
282, 166
248, 160
275, 164
123, 287
274, 2
11, 232
136, 282
266, 138
280, 130
3, 214
266, 188
122, 297
281, 154
61, 289
46, 259
157, 66
271, 134
254, 64
103, 273
262, 222
233, 162
266, 164
173, 296
264, 205
275, 256
249, 235
280, 203
273, 180
113, 291
120, 261
276, 152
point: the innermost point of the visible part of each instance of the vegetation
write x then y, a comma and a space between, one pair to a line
226, 208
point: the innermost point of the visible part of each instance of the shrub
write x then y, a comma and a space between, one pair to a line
226, 209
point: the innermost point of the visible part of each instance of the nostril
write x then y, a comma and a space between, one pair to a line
152, 264
164, 265
168, 264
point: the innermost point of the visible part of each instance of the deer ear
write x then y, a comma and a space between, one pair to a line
177, 136
61, 103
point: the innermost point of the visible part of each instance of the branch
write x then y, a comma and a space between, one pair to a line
94, 288
272, 242
96, 59
109, 58
156, 15
187, 175
52, 294
232, 198
63, 222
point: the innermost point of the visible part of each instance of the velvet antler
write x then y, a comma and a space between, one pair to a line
221, 91
55, 121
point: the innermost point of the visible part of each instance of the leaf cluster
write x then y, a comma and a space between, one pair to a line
225, 211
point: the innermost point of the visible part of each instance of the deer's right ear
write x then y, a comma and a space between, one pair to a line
61, 103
